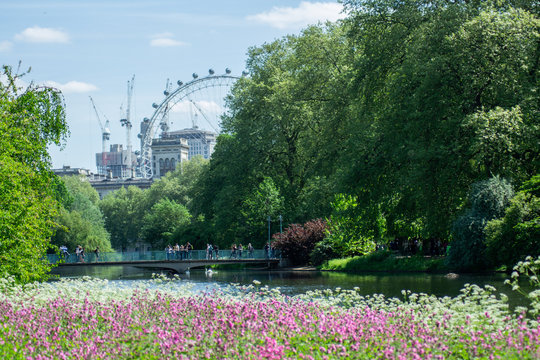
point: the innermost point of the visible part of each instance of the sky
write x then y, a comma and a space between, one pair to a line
93, 48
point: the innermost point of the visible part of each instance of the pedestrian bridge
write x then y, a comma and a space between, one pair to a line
159, 260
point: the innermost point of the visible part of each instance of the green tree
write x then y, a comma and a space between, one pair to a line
434, 80
81, 222
164, 220
514, 236
31, 119
265, 202
123, 211
488, 200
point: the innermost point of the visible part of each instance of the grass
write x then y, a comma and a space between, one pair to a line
387, 261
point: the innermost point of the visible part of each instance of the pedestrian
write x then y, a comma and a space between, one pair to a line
233, 251
189, 248
250, 250
266, 251
64, 252
168, 252
216, 252
240, 248
176, 251
97, 253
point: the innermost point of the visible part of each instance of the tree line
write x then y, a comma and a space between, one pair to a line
406, 120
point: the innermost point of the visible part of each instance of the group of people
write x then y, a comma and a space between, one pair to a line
179, 252
79, 253
236, 251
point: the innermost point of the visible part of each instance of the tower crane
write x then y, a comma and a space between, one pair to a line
127, 123
105, 132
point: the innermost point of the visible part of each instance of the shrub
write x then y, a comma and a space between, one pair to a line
516, 234
488, 199
297, 241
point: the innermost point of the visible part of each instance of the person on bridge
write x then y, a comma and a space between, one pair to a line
189, 247
250, 250
209, 251
216, 252
64, 251
97, 253
240, 249
177, 251
233, 251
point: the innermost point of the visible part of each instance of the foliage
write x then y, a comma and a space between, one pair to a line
385, 261
123, 211
488, 200
403, 105
81, 222
263, 203
530, 268
164, 220
31, 119
515, 235
297, 241
352, 230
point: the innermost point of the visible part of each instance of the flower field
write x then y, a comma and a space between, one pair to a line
164, 319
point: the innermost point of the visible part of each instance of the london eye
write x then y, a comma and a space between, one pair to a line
198, 103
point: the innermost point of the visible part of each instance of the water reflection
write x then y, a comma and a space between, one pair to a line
294, 282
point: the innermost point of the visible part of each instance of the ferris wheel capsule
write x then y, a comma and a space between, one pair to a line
180, 83
227, 71
211, 71
166, 93
195, 75
155, 106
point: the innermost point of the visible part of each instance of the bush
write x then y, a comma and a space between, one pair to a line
516, 235
488, 199
297, 241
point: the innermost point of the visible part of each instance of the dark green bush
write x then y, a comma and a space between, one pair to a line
487, 199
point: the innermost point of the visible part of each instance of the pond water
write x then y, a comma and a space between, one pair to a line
295, 282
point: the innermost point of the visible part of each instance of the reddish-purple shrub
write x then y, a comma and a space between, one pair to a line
297, 241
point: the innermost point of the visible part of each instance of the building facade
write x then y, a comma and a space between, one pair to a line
167, 153
116, 163
200, 142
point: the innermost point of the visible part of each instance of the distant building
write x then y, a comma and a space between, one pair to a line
69, 171
108, 185
116, 163
167, 152
200, 142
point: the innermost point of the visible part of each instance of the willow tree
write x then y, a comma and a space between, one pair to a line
31, 119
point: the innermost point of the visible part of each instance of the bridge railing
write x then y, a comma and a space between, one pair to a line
89, 257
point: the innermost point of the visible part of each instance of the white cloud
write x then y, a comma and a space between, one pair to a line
5, 45
72, 87
306, 13
165, 39
38, 34
166, 42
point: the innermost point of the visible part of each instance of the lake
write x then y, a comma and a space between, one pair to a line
295, 282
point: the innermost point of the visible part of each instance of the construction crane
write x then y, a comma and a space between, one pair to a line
127, 123
105, 132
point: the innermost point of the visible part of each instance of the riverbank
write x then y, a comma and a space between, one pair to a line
387, 261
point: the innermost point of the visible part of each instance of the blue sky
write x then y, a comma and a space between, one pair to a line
92, 48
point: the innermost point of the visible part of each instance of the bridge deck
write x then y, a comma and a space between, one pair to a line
178, 266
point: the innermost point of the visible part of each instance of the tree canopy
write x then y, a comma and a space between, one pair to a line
31, 119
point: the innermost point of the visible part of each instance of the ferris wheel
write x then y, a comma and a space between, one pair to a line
198, 103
